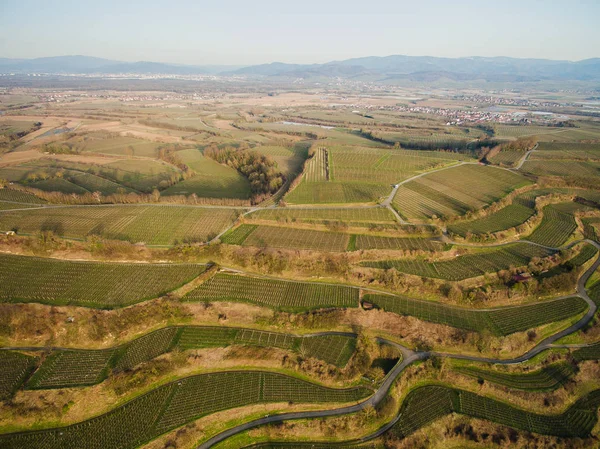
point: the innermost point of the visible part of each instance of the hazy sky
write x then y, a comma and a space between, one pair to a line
305, 31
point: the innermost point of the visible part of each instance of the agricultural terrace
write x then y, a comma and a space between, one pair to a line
90, 284
175, 404
211, 179
67, 368
455, 191
361, 175
466, 266
549, 377
281, 295
151, 224
428, 403
500, 321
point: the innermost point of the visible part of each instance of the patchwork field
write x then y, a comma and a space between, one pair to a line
361, 175
454, 191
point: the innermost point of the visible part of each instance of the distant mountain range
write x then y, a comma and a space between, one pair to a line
371, 68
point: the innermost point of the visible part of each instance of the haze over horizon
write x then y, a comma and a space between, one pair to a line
242, 34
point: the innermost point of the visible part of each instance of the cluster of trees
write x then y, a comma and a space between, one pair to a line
262, 172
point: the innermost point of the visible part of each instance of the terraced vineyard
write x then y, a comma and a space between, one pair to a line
67, 368
591, 352
428, 403
71, 369
550, 377
499, 321
555, 229
454, 191
90, 284
15, 369
154, 225
323, 215
280, 295
18, 196
468, 265
510, 216
364, 241
292, 238
178, 403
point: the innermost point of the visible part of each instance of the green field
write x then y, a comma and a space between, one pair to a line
212, 180
467, 265
455, 191
141, 175
516, 131
550, 377
90, 284
428, 403
499, 321
175, 404
150, 224
276, 294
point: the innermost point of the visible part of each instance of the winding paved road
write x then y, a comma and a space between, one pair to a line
409, 356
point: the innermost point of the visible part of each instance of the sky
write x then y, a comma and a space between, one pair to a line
253, 32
